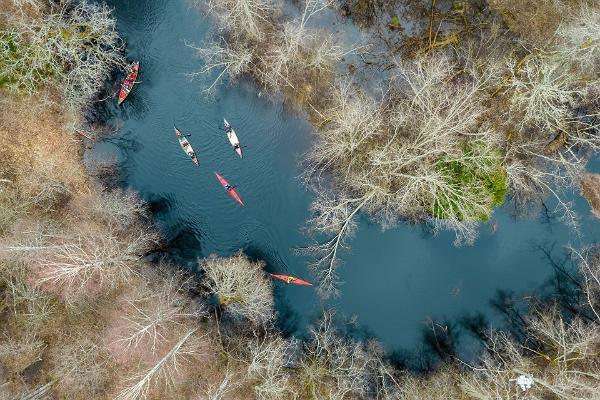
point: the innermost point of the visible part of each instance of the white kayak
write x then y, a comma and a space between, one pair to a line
233, 139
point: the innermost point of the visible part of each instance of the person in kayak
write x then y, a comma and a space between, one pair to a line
228, 128
290, 279
229, 187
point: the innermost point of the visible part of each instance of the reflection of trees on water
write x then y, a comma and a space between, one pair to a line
464, 336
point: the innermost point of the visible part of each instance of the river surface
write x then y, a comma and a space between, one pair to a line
394, 281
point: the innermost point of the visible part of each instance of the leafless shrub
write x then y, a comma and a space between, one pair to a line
590, 190
41, 392
164, 372
331, 366
544, 91
535, 25
106, 170
18, 353
50, 194
232, 60
440, 385
81, 368
220, 390
268, 358
22, 4
241, 287
28, 307
580, 38
121, 208
244, 17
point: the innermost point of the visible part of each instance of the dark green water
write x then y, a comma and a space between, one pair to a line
393, 281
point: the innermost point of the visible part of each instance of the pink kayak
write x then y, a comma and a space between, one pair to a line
229, 188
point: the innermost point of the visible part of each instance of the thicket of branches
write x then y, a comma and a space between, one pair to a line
286, 55
72, 47
240, 286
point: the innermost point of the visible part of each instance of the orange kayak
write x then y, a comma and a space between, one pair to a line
129, 82
291, 279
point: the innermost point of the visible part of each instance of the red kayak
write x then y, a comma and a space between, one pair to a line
291, 279
229, 188
129, 82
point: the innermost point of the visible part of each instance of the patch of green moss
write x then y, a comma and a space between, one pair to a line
11, 49
487, 183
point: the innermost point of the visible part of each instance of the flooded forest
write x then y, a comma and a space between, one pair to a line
299, 199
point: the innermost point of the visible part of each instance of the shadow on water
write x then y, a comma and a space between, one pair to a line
288, 319
466, 335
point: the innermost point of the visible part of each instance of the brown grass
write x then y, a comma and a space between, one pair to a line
33, 138
536, 21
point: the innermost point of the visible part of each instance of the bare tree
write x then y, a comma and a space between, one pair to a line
241, 287
298, 50
220, 390
268, 358
87, 259
277, 54
231, 60
579, 40
121, 208
336, 216
333, 367
495, 376
244, 17
163, 372
152, 315
544, 90
589, 266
